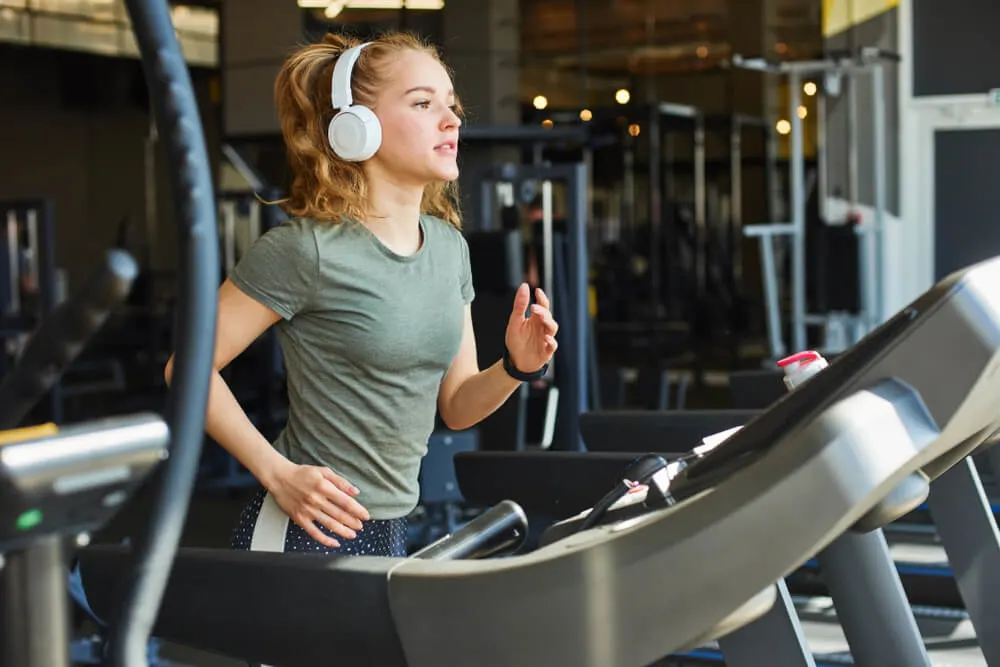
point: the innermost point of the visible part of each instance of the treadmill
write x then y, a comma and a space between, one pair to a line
625, 593
60, 482
857, 567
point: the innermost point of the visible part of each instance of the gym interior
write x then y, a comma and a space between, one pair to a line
755, 446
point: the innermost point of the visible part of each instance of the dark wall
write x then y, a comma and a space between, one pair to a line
72, 129
955, 50
880, 31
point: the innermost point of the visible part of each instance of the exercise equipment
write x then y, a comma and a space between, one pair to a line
961, 512
61, 482
66, 481
29, 288
564, 263
857, 567
810, 467
144, 577
869, 61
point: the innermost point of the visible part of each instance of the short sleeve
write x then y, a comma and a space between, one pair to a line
468, 291
280, 268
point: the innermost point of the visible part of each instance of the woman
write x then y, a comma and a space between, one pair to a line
369, 288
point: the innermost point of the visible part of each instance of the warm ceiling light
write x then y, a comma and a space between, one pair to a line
540, 102
809, 88
586, 115
783, 126
622, 96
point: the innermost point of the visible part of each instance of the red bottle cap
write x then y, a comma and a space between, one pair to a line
801, 358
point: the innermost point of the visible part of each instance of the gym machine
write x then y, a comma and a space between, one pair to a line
564, 278
870, 61
28, 283
962, 516
82, 473
857, 568
748, 511
898, 363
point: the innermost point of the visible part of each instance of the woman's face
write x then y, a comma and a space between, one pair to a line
416, 107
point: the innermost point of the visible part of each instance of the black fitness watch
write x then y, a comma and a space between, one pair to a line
512, 370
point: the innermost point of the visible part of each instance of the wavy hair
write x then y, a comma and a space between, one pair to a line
324, 186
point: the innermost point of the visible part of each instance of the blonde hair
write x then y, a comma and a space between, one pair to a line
323, 186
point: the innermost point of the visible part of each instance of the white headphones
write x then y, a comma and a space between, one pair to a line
354, 133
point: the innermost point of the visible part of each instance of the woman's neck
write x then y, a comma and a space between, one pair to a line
395, 215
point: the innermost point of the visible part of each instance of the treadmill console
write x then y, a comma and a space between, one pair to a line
72, 480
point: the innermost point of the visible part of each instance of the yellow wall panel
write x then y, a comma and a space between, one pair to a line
839, 15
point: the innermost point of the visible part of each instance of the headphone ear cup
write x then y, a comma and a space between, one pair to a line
355, 134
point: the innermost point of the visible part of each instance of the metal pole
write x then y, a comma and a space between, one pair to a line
578, 283
968, 532
655, 213
777, 634
797, 160
871, 605
34, 612
823, 168
547, 240
736, 198
700, 197
878, 233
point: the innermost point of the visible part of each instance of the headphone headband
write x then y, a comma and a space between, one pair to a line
340, 91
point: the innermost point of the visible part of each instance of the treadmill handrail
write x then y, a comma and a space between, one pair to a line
63, 334
178, 122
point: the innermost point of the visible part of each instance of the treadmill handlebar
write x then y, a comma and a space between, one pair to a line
501, 529
63, 334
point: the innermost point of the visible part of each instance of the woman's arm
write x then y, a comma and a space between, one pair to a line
241, 320
468, 395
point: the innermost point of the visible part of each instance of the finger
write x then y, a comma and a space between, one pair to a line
344, 501
521, 301
339, 514
335, 526
542, 298
546, 317
340, 482
314, 532
551, 344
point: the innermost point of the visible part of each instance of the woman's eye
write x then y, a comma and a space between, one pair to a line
423, 104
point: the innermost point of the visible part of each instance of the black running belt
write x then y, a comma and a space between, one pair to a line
288, 609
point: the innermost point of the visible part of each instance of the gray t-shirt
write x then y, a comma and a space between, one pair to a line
367, 336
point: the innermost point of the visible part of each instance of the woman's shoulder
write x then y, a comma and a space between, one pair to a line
442, 228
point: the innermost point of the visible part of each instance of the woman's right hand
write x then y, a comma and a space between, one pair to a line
315, 493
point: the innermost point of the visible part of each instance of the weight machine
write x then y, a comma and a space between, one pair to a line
564, 277
61, 483
832, 70
29, 288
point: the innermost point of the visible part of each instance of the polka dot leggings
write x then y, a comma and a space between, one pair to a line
379, 537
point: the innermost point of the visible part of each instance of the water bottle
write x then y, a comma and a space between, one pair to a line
800, 367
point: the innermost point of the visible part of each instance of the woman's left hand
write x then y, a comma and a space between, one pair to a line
531, 339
